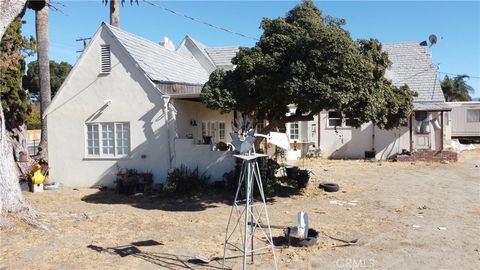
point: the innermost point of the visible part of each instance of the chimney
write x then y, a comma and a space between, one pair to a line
167, 44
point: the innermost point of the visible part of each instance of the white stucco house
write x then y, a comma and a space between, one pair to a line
130, 103
428, 128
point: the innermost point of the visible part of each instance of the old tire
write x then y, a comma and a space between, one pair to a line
330, 187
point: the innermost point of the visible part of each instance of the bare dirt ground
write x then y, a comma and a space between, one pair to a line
395, 211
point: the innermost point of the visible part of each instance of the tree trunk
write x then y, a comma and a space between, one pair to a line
115, 13
11, 199
41, 27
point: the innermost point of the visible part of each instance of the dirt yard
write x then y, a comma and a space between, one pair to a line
405, 216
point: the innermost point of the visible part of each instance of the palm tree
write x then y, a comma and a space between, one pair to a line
41, 27
115, 10
456, 89
115, 13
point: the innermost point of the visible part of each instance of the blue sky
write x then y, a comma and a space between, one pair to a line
457, 25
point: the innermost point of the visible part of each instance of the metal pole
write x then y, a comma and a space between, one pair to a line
247, 207
252, 186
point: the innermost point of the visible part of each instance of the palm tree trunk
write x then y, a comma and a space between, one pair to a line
115, 13
41, 27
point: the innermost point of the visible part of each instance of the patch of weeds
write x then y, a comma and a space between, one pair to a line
185, 181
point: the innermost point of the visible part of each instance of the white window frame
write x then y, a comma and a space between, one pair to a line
477, 117
102, 48
115, 153
343, 120
213, 129
294, 132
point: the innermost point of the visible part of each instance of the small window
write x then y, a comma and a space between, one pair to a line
221, 131
108, 139
314, 130
294, 131
106, 63
334, 119
473, 116
349, 122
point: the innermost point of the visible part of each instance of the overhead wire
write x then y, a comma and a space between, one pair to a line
453, 74
200, 21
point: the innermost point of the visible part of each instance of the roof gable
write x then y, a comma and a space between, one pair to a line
411, 64
159, 63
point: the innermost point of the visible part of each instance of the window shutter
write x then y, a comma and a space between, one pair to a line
106, 64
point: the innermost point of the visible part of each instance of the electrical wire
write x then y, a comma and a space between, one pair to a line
199, 21
453, 74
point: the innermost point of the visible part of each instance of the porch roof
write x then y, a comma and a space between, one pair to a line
431, 106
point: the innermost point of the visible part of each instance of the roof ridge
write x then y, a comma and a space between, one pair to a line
147, 40
402, 42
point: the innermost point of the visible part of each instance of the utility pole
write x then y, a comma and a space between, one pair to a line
84, 39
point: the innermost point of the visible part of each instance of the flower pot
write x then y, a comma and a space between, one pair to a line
302, 180
291, 172
35, 187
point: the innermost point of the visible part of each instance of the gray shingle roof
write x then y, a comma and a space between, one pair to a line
411, 64
158, 63
222, 56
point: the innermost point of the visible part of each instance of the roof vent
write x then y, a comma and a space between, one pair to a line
424, 43
167, 44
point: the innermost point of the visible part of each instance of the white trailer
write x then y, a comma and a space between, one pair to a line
465, 120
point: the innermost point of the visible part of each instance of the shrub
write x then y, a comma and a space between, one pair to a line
184, 181
268, 169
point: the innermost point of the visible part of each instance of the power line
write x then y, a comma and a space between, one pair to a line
453, 74
200, 21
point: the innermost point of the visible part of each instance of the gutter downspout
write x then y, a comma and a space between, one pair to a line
441, 131
166, 101
318, 131
410, 133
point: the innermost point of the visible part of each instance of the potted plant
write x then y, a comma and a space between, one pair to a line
303, 177
291, 172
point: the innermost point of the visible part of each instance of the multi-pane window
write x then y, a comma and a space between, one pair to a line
334, 119
93, 142
214, 130
105, 59
122, 138
294, 135
221, 131
314, 130
108, 139
473, 115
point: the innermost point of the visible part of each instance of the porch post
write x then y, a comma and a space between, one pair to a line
441, 131
410, 133
166, 101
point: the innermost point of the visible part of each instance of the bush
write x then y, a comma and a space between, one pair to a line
268, 169
184, 181
33, 119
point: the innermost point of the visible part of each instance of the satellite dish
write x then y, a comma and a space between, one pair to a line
433, 40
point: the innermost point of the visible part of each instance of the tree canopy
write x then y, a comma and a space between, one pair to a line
456, 88
15, 101
310, 61
58, 73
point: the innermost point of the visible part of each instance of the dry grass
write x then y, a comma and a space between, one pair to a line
95, 230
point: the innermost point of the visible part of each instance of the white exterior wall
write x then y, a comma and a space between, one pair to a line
191, 110
133, 99
352, 143
458, 117
212, 163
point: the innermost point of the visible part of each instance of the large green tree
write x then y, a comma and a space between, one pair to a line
58, 73
456, 88
310, 61
13, 48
